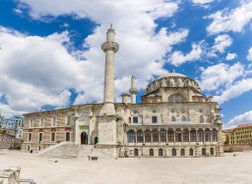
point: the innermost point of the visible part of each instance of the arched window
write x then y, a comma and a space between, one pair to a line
160, 152
182, 152
176, 98
131, 136
174, 152
203, 151
135, 152
151, 152
39, 148
207, 135
211, 151
214, 135
200, 135
28, 147
170, 135
201, 119
95, 140
173, 118
186, 135
147, 135
155, 135
162, 135
178, 135
129, 120
168, 83
191, 152
139, 136
193, 135
183, 118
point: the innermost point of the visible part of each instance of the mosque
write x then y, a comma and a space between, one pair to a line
174, 119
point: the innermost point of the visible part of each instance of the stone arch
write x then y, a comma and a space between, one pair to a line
151, 152
191, 152
173, 118
147, 135
207, 135
177, 97
201, 119
155, 135
131, 135
84, 138
160, 152
162, 135
183, 118
174, 152
139, 135
182, 152
135, 152
203, 151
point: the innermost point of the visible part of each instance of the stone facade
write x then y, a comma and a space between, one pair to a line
238, 138
174, 119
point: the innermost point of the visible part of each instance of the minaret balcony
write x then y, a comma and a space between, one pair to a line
110, 46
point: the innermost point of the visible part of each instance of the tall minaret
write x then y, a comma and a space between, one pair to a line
133, 90
110, 47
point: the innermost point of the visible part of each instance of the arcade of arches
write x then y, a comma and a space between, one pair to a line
172, 135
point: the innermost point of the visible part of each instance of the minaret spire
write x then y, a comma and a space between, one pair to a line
133, 90
110, 47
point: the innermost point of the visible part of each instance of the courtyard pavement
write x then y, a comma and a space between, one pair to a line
233, 168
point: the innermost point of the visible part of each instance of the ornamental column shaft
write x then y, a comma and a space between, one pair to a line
110, 47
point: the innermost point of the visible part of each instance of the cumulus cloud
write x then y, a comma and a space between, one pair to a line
240, 119
249, 56
231, 56
31, 75
221, 42
235, 90
213, 77
43, 70
178, 58
228, 81
231, 20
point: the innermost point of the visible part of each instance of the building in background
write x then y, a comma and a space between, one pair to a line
238, 138
11, 132
174, 119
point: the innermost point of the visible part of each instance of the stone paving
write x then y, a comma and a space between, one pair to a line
233, 168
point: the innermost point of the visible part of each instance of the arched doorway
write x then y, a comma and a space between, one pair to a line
84, 138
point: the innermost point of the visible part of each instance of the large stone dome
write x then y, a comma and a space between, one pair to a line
172, 80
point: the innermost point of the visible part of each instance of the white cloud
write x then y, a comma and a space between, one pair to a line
31, 75
232, 20
240, 119
235, 90
249, 56
43, 70
220, 75
202, 2
221, 42
231, 56
178, 58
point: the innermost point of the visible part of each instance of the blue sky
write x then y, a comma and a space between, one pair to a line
50, 54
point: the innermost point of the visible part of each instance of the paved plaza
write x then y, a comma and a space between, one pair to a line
229, 169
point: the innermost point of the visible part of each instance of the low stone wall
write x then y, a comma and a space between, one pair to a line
78, 151
237, 148
10, 176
